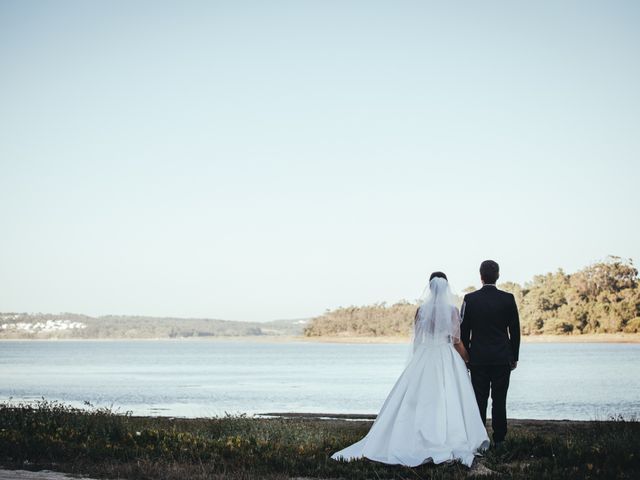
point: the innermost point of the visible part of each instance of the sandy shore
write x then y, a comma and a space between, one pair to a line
595, 338
591, 338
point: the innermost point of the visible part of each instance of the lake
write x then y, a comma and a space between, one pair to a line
207, 378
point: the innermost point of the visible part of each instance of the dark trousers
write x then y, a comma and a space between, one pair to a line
494, 378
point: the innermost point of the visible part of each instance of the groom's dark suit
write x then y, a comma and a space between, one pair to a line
490, 331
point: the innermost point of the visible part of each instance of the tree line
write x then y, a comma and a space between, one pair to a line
601, 298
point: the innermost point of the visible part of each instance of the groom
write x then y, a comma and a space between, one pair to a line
490, 332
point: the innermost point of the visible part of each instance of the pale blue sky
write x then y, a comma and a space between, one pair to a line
260, 160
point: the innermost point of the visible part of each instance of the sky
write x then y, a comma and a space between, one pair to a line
265, 160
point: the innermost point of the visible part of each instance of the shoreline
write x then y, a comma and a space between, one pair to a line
587, 338
370, 417
628, 338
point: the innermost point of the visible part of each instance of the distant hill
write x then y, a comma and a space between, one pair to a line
73, 325
378, 320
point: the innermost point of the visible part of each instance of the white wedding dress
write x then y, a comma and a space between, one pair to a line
431, 413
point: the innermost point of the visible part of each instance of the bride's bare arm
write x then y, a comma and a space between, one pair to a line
458, 345
462, 351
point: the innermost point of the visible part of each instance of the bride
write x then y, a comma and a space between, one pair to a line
431, 413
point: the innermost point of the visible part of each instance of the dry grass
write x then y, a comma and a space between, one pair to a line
100, 443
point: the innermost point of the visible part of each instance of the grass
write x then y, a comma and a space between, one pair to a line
103, 443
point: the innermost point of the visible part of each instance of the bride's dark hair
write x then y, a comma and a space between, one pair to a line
438, 275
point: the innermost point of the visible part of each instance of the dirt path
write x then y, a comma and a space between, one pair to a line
41, 475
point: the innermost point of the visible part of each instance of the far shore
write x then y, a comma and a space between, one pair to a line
587, 338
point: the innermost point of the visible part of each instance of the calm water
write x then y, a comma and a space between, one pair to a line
205, 378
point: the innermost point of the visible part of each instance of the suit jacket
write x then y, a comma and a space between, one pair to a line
490, 327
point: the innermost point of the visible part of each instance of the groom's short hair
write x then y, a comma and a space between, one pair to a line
489, 271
